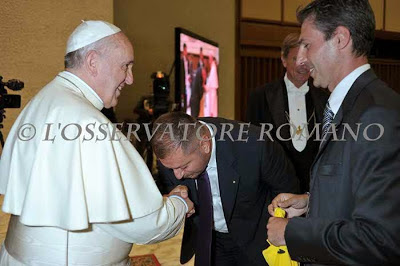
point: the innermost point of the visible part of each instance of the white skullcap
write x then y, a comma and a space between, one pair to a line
89, 32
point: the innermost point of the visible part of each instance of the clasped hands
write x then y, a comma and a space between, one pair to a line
183, 192
294, 205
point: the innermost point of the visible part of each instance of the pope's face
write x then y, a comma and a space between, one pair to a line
115, 70
319, 55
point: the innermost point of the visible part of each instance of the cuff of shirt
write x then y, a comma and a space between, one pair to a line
184, 202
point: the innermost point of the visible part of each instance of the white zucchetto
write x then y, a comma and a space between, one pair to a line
89, 32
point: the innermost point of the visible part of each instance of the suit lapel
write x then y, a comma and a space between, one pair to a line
319, 105
347, 105
337, 121
191, 184
228, 178
310, 110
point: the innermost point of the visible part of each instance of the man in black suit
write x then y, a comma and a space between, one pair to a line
291, 101
197, 86
243, 172
186, 76
353, 215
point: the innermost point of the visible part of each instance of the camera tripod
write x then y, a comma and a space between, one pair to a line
1, 127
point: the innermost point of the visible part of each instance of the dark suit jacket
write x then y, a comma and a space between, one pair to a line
197, 92
354, 215
250, 175
182, 80
269, 104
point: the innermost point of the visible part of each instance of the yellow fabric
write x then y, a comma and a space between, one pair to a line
278, 256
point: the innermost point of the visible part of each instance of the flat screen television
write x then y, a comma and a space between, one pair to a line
196, 74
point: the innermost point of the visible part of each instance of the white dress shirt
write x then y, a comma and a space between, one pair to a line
341, 90
297, 116
218, 212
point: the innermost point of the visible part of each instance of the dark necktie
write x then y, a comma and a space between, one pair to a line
205, 210
328, 117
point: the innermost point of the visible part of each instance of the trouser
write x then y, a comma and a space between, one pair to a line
224, 251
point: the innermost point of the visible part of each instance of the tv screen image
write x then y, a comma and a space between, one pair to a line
196, 74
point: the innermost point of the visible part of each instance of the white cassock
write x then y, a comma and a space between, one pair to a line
211, 98
82, 201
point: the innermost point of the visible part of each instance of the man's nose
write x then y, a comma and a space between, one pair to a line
301, 60
178, 173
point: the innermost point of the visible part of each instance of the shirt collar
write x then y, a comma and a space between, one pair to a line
82, 86
339, 93
213, 160
291, 88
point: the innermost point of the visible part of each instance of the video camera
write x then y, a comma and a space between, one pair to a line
161, 103
10, 100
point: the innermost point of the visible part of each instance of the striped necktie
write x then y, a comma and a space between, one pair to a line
328, 117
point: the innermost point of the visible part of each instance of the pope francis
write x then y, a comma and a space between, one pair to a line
78, 191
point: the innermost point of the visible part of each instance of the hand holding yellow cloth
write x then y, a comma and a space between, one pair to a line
278, 256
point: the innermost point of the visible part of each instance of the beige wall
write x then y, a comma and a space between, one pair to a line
377, 6
33, 38
392, 22
150, 25
271, 9
290, 7
261, 9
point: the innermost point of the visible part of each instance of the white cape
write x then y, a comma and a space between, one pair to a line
71, 183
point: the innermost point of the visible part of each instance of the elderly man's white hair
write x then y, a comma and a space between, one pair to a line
89, 35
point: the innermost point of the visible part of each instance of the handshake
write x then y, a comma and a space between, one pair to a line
183, 192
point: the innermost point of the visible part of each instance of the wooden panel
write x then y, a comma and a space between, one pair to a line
250, 51
387, 35
290, 7
237, 58
261, 9
377, 7
388, 71
392, 21
255, 72
267, 35
259, 49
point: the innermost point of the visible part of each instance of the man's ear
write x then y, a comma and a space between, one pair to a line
205, 146
283, 61
342, 37
92, 62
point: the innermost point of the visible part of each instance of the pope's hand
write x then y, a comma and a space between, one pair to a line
293, 204
183, 192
